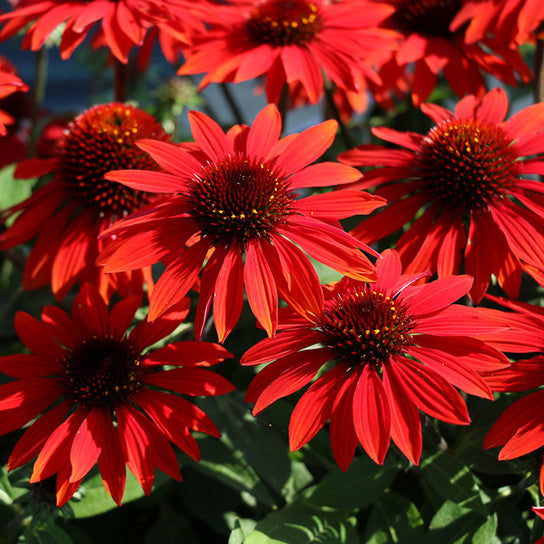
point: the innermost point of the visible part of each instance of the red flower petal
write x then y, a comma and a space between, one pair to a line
229, 294
430, 392
264, 132
371, 415
314, 407
209, 136
343, 437
285, 376
190, 381
260, 287
405, 418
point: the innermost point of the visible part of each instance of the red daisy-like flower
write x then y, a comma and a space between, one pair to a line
237, 194
520, 428
9, 84
103, 396
69, 212
430, 48
510, 22
390, 348
291, 42
470, 176
123, 23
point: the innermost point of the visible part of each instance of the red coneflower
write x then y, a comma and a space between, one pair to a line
430, 48
69, 212
464, 174
520, 428
510, 22
390, 348
290, 42
123, 23
9, 84
88, 373
237, 194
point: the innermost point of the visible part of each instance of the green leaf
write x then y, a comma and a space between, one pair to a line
451, 479
168, 530
361, 485
13, 191
304, 524
96, 499
394, 519
486, 533
242, 528
259, 445
456, 524
49, 534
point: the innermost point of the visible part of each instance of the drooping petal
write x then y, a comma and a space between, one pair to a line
405, 418
261, 289
343, 437
88, 443
177, 279
313, 410
372, 415
285, 376
228, 294
430, 392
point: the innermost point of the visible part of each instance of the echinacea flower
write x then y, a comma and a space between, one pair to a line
509, 22
68, 213
233, 198
386, 350
102, 395
430, 48
10, 83
123, 24
520, 428
470, 175
290, 42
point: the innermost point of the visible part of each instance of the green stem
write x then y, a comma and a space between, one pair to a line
40, 83
332, 107
232, 103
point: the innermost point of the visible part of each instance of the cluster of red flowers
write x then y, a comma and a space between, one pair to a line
233, 213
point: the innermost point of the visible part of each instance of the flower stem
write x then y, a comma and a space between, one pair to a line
40, 83
121, 81
283, 104
539, 68
232, 103
331, 106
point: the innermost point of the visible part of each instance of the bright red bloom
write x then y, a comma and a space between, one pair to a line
520, 428
394, 348
291, 42
87, 373
430, 48
123, 23
69, 212
9, 84
237, 194
464, 174
510, 22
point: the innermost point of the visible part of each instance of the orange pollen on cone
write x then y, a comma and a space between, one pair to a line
284, 22
365, 326
428, 17
467, 163
102, 139
101, 371
237, 200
